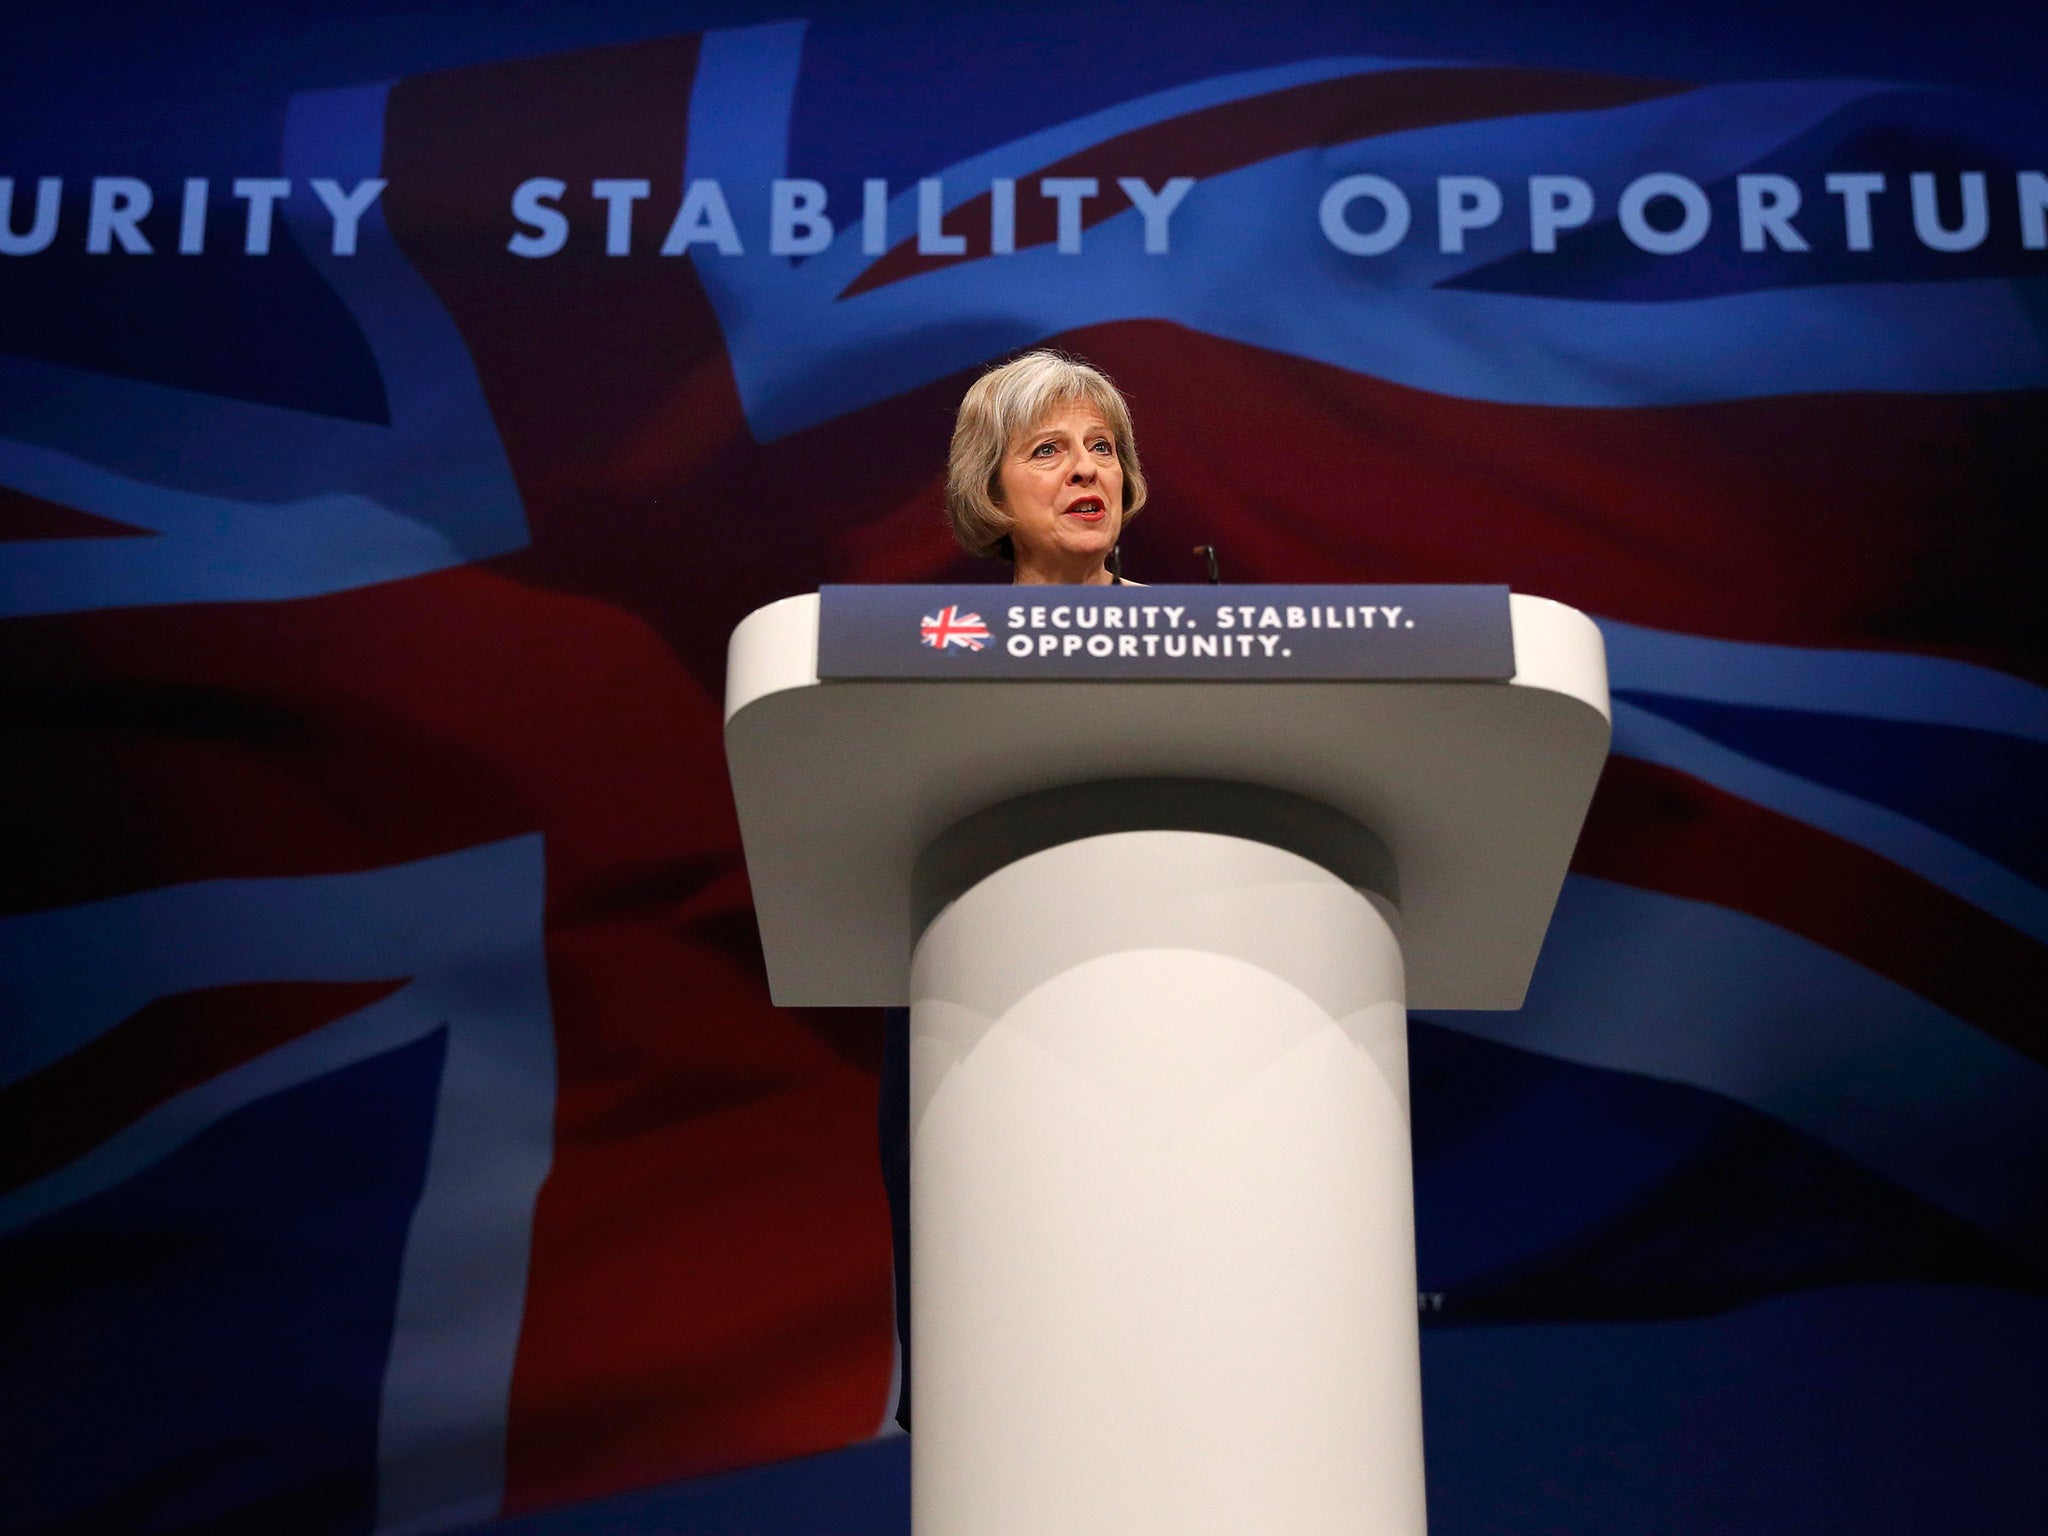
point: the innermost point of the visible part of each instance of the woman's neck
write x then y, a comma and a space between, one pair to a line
1040, 572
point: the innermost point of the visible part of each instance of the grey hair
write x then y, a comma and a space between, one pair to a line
1001, 406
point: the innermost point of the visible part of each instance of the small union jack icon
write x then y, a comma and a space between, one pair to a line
949, 626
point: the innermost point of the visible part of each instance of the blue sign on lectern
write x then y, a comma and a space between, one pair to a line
1367, 633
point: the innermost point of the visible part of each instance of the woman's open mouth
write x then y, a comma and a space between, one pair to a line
1089, 509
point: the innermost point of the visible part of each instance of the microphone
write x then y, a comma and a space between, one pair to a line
1215, 576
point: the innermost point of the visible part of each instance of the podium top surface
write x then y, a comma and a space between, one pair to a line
1477, 789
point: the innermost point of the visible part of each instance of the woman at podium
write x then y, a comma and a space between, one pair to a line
1044, 474
1044, 471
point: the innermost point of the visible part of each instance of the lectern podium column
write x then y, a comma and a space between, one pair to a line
1162, 1210
1133, 857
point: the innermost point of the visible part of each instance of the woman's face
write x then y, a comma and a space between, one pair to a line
1063, 487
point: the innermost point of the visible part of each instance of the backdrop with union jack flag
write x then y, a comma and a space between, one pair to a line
396, 1131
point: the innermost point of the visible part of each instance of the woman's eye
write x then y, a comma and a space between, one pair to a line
1103, 445
1042, 450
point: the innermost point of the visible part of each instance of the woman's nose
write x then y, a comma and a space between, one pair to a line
1083, 471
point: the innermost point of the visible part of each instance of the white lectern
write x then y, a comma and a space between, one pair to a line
1154, 934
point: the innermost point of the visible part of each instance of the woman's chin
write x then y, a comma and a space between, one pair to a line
1096, 541
1071, 546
